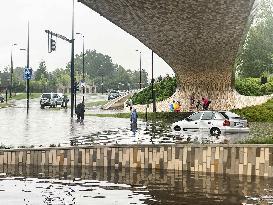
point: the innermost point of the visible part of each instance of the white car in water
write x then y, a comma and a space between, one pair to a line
216, 122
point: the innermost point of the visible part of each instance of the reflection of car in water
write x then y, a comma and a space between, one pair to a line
113, 94
51, 99
216, 122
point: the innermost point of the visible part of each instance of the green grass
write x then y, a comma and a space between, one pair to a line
4, 105
258, 140
95, 103
21, 96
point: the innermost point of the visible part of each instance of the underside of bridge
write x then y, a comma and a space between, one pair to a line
199, 39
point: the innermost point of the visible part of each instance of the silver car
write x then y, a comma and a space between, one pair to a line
216, 122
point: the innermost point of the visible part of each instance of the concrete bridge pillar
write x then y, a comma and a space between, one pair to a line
199, 39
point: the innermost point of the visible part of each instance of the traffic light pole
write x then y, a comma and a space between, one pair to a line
72, 82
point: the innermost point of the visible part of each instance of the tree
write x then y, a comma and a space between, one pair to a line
100, 67
255, 56
41, 71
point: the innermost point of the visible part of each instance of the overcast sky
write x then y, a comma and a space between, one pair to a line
100, 34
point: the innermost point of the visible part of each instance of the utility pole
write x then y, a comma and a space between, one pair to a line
28, 66
140, 69
83, 70
72, 64
11, 71
72, 76
153, 90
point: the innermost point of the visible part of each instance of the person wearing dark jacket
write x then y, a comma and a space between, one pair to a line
80, 112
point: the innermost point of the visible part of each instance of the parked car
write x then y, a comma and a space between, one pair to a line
2, 99
216, 122
51, 99
58, 97
113, 94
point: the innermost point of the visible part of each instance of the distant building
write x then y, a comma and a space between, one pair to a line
88, 89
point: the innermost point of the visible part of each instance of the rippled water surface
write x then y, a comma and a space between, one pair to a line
50, 126
100, 186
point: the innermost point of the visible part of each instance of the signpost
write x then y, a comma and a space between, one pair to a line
27, 73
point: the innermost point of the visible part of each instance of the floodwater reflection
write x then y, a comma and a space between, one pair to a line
44, 127
52, 185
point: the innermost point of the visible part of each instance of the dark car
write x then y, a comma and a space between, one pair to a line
113, 94
2, 99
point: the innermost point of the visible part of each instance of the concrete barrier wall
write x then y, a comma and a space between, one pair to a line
219, 159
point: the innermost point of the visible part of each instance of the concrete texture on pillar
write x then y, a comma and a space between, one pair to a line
198, 39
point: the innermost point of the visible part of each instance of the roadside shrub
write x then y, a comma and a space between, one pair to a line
163, 90
253, 87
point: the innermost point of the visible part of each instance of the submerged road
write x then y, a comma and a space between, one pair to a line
45, 127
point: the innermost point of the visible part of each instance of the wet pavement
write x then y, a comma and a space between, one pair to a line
45, 127
118, 187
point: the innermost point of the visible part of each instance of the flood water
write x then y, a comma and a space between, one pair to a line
117, 187
52, 185
45, 127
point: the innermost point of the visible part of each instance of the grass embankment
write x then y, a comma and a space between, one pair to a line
21, 96
258, 113
4, 105
258, 140
96, 103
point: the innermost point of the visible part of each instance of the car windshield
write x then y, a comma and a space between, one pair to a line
230, 115
46, 96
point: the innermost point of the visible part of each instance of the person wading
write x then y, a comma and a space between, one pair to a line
133, 120
80, 112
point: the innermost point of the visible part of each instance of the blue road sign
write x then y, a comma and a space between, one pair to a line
27, 73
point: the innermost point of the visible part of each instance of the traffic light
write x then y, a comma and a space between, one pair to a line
52, 45
76, 86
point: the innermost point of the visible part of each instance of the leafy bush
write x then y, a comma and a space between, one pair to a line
253, 87
163, 90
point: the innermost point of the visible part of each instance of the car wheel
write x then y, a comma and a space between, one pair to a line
42, 107
177, 128
215, 131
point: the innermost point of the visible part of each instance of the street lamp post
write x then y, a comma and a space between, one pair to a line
153, 91
72, 81
11, 70
139, 69
28, 66
83, 71
27, 50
